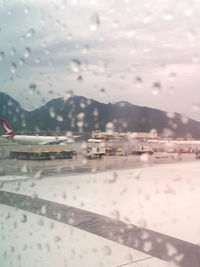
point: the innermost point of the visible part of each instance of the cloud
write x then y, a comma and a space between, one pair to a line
88, 45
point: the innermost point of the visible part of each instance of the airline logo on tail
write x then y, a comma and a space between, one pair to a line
7, 128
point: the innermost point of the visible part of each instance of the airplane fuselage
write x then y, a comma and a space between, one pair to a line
37, 140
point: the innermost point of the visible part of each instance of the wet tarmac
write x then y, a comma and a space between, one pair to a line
79, 164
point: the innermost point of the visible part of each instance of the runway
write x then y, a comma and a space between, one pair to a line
78, 165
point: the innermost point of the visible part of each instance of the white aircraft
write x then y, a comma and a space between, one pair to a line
33, 139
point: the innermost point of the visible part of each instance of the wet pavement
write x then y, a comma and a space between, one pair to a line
80, 164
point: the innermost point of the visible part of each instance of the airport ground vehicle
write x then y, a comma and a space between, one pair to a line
142, 149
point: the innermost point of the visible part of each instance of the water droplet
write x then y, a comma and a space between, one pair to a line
166, 133
156, 88
139, 81
191, 35
30, 33
113, 178
102, 91
59, 118
75, 65
57, 239
147, 246
10, 12
27, 52
38, 174
21, 62
171, 249
24, 169
37, 60
81, 116
24, 218
184, 119
82, 105
86, 49
115, 24
69, 36
26, 10
80, 78
40, 222
110, 128
80, 124
44, 209
170, 115
32, 87
107, 250
13, 68
144, 158
13, 51
52, 112
95, 22
95, 112
188, 12
71, 221
2, 55
130, 34
68, 94
168, 16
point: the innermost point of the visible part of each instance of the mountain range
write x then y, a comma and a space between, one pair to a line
79, 114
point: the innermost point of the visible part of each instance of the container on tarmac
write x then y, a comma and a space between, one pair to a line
42, 154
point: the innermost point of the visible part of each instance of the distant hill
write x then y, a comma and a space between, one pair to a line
78, 113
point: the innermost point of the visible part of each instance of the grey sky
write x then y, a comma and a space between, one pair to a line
125, 47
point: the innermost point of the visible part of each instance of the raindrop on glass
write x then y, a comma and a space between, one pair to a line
139, 81
57, 239
110, 128
30, 33
170, 115
26, 10
13, 51
24, 218
184, 119
168, 16
27, 52
95, 22
59, 118
107, 250
32, 87
144, 158
75, 65
2, 55
13, 68
21, 61
156, 88
52, 112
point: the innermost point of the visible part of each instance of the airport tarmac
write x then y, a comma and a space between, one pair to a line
46, 168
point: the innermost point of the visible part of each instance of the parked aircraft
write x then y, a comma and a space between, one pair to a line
32, 139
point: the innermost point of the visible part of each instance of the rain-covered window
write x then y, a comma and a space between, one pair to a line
99, 133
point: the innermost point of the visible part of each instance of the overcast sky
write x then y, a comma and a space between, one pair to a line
144, 52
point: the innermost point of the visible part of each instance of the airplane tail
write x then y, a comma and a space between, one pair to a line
7, 128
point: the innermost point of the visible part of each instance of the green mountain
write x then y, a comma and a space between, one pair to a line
81, 114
